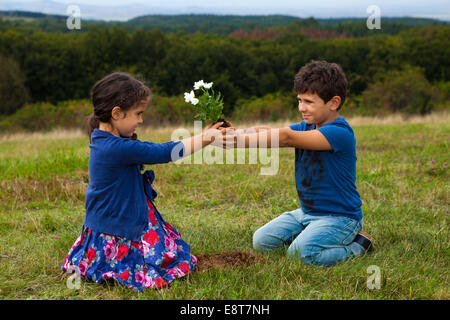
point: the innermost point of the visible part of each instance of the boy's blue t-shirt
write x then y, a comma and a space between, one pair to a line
325, 180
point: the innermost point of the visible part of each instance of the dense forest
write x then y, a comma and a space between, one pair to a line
402, 67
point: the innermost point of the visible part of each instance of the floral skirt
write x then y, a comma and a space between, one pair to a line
160, 256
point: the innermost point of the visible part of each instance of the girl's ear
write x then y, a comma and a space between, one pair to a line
116, 113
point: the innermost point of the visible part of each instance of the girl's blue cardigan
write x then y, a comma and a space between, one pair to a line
116, 196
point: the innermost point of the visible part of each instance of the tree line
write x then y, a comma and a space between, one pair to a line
54, 67
30, 22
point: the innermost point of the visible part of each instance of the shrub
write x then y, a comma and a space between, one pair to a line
405, 91
444, 87
271, 107
44, 116
168, 110
13, 93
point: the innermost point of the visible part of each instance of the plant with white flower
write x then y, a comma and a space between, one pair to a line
190, 97
208, 105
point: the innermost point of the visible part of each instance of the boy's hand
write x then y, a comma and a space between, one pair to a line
230, 138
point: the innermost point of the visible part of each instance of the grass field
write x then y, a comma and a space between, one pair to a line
401, 176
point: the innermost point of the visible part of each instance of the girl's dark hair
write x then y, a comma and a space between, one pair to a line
116, 89
323, 78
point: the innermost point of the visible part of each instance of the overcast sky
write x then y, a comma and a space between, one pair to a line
324, 8
302, 8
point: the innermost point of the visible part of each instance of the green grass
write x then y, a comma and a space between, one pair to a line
218, 207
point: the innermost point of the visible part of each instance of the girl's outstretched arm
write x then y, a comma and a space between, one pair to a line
211, 133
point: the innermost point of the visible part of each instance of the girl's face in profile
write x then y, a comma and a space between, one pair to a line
126, 122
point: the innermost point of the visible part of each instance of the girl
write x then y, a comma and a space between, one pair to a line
124, 237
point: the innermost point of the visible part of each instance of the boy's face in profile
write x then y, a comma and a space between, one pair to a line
315, 111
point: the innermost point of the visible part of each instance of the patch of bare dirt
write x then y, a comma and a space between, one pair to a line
234, 259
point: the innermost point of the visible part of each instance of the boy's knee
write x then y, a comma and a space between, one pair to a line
263, 240
308, 254
296, 251
258, 239
316, 255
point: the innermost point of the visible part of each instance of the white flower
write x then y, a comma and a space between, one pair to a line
188, 97
208, 85
201, 83
198, 84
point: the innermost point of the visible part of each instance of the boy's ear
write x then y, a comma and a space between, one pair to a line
334, 103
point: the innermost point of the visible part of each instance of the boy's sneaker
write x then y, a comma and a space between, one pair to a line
365, 240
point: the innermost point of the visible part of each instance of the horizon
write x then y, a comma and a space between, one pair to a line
121, 10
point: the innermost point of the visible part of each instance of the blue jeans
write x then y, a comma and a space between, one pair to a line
322, 240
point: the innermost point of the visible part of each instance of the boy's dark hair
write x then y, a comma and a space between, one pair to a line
116, 89
322, 78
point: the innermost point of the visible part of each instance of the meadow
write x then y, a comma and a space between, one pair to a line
402, 177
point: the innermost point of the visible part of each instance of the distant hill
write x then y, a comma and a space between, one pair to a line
226, 24
210, 23
26, 21
17, 14
219, 24
411, 21
88, 11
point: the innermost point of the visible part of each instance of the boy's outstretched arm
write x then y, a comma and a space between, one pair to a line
257, 129
310, 140
282, 137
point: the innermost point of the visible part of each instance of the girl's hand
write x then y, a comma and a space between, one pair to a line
230, 126
219, 136
213, 132
214, 126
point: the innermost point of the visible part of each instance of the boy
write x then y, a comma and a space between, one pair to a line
326, 229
